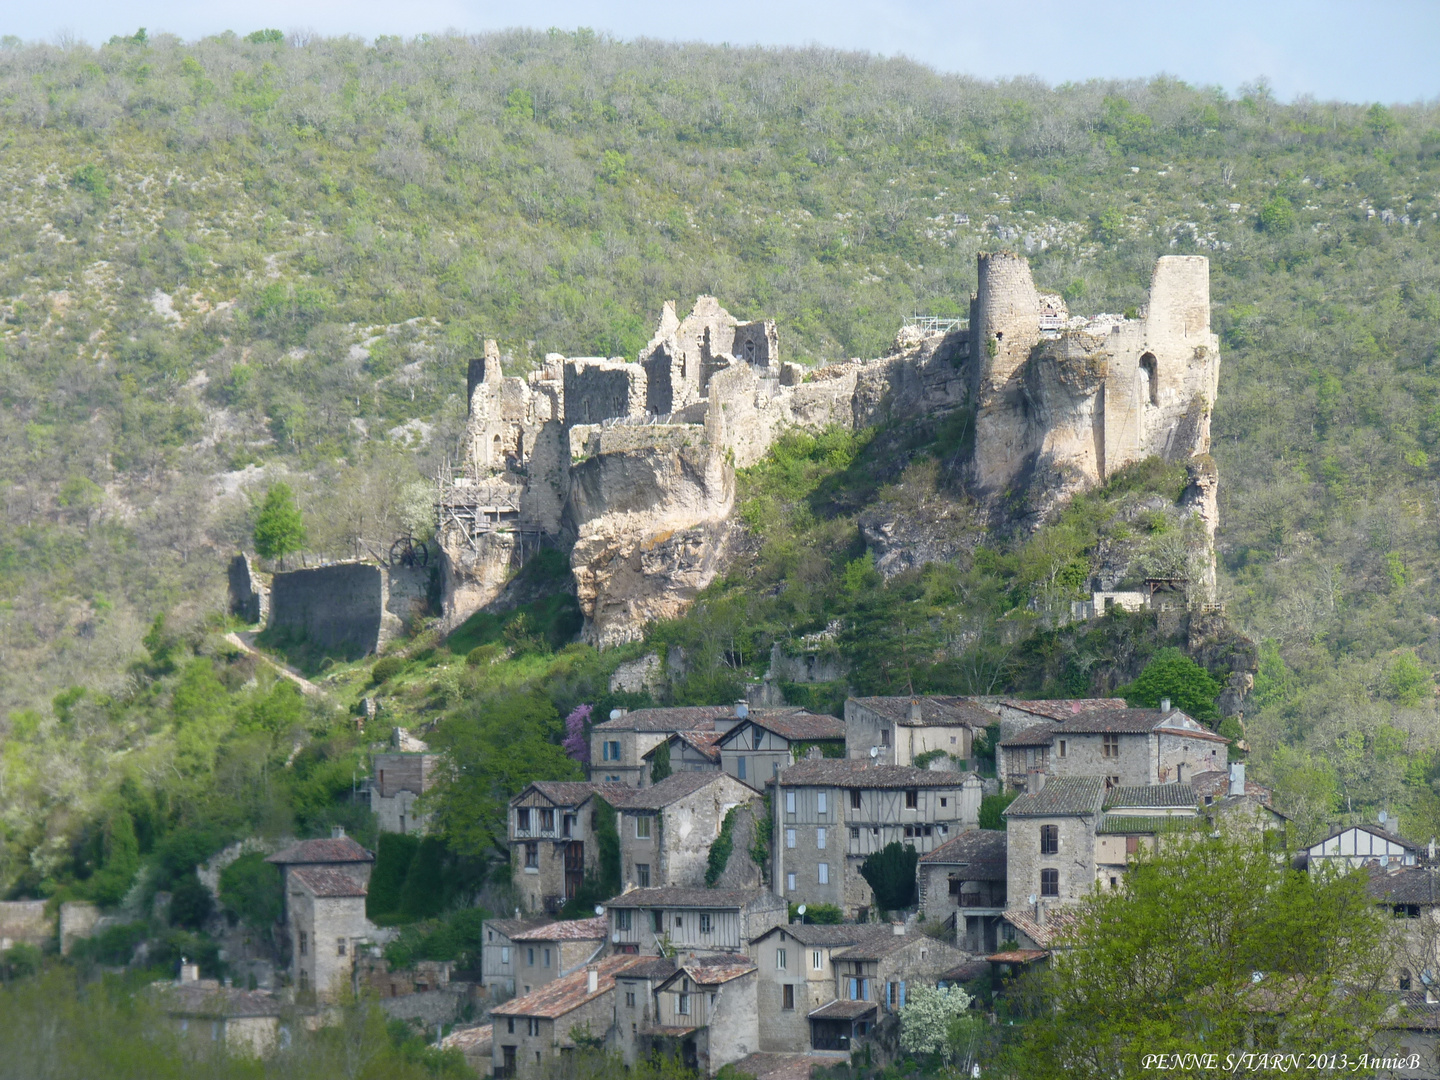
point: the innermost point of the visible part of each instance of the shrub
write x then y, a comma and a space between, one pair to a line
386, 669
190, 903
891, 875
252, 891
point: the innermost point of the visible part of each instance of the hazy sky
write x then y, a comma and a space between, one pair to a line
1380, 50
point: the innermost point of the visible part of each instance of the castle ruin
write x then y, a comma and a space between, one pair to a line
630, 465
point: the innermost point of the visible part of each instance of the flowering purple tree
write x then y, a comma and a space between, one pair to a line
575, 743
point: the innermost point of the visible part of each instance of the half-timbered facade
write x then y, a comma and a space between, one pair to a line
706, 920
552, 840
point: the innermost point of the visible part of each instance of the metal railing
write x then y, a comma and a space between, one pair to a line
935, 324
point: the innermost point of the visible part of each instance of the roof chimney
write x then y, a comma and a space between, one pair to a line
1039, 912
592, 979
915, 710
742, 709
1237, 778
1164, 704
189, 971
897, 928
337, 832
1034, 782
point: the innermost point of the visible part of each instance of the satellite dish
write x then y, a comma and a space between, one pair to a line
599, 909
874, 751
800, 910
615, 714
1032, 898
615, 937
1384, 817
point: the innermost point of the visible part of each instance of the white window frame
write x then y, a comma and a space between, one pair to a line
822, 873
789, 838
789, 802
817, 959
821, 803
645, 835
790, 881
820, 839
780, 959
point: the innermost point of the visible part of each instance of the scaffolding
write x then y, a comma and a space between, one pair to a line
934, 324
480, 508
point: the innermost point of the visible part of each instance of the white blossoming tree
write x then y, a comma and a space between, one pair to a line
925, 1020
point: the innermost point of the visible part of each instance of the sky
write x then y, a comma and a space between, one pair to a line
1349, 50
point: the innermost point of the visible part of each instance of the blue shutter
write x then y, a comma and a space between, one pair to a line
854, 989
902, 993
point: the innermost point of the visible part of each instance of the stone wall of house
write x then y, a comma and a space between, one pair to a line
1075, 860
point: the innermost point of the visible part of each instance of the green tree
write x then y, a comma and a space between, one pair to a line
251, 890
1277, 215
279, 527
1204, 948
1171, 674
890, 873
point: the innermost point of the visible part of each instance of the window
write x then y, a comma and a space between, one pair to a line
817, 959
657, 921
1404, 979
944, 803
789, 838
854, 834
1110, 745
547, 820
304, 943
854, 798
1049, 840
683, 1005
642, 875
534, 1023
1149, 379
820, 838
790, 882
912, 799
789, 802
304, 979
740, 768
822, 803
779, 959
679, 921
340, 946
522, 820
1049, 882
756, 738
622, 919
1112, 781
1062, 747
569, 829
505, 952
510, 1025
787, 996
885, 736
705, 924
530, 957
611, 750
642, 827
630, 1000
532, 856
822, 872
547, 957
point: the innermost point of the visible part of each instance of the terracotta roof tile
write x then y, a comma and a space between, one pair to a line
770, 1065
859, 773
843, 1010
324, 881
654, 968
564, 995
197, 999
797, 725
1059, 920
704, 743
682, 718
1060, 795
832, 935
674, 787
1035, 735
1064, 708
935, 710
1412, 885
329, 850
511, 927
762, 899
880, 944
714, 970
476, 1041
1017, 956
596, 929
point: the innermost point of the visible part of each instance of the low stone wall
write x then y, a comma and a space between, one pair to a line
25, 921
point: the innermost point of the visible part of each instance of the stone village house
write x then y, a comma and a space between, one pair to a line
902, 729
830, 814
532, 1031
545, 953
666, 829
618, 746
498, 954
705, 920
759, 744
553, 845
963, 881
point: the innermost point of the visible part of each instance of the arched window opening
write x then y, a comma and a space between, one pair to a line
1149, 379
495, 451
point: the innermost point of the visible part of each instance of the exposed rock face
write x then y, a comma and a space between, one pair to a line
631, 466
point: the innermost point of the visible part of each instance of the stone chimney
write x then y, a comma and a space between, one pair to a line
1039, 912
1034, 782
1237, 778
189, 971
915, 715
898, 928
1164, 706
592, 979
337, 832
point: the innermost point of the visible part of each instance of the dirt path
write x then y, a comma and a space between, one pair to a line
244, 642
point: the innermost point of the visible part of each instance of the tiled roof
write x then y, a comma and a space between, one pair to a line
673, 787
836, 935
859, 773
564, 995
563, 792
475, 1041
330, 850
682, 718
1058, 920
714, 970
1147, 824
703, 742
323, 881
1216, 784
878, 945
1064, 709
798, 725
1414, 1013
670, 897
1017, 956
843, 1010
209, 999
1035, 735
1152, 796
970, 969
596, 929
1412, 885
654, 968
770, 1065
511, 927
1132, 721
981, 850
1060, 795
935, 710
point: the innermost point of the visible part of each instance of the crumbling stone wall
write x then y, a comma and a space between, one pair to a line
597, 390
249, 597
338, 607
